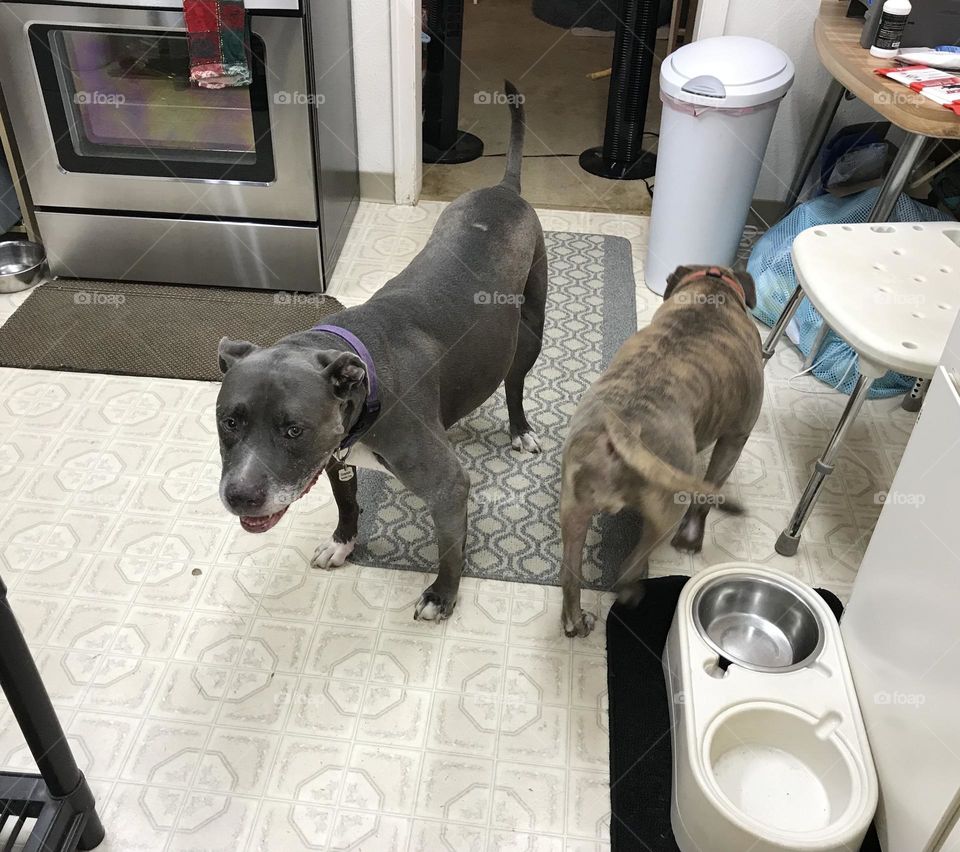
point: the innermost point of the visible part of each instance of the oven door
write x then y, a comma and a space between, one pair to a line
106, 119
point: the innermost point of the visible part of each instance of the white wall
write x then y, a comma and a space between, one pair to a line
373, 80
789, 25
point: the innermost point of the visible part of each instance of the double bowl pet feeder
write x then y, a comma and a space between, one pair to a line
769, 747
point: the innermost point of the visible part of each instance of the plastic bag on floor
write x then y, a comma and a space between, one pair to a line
771, 266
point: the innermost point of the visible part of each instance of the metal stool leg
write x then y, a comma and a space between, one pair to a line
773, 338
913, 401
41, 728
789, 539
822, 333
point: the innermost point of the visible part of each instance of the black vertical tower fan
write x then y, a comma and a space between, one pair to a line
443, 141
621, 157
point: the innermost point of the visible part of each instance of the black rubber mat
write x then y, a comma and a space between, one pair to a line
641, 767
148, 329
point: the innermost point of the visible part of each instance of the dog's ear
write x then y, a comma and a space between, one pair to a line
343, 370
674, 278
739, 270
231, 351
748, 284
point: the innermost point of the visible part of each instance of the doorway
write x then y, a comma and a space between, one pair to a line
562, 72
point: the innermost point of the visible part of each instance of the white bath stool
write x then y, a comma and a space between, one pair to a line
892, 291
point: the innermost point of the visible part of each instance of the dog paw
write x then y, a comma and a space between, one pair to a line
689, 537
581, 626
433, 607
685, 546
332, 554
525, 443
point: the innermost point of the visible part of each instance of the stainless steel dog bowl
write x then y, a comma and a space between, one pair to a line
22, 264
758, 623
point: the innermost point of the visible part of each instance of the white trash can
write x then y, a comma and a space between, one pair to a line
720, 97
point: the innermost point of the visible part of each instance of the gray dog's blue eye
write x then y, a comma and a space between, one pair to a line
294, 431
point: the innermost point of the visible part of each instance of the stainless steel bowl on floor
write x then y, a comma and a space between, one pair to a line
22, 264
758, 623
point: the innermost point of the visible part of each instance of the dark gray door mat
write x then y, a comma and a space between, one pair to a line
148, 329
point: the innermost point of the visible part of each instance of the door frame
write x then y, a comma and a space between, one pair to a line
407, 110
711, 18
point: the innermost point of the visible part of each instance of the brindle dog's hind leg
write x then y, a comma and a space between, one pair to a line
726, 453
574, 523
343, 483
660, 513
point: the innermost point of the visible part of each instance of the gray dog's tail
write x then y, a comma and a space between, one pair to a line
658, 472
515, 146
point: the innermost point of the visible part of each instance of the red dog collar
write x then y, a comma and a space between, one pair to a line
718, 273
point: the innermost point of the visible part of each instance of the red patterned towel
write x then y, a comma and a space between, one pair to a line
217, 40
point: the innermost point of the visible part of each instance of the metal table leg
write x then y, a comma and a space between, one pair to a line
789, 539
896, 178
821, 125
773, 338
822, 333
41, 729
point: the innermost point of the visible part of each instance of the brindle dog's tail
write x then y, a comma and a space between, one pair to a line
511, 178
656, 471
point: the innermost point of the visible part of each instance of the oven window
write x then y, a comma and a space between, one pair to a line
120, 102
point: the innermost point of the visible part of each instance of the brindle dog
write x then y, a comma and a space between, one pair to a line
691, 378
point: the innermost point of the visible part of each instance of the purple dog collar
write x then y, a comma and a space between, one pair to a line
371, 405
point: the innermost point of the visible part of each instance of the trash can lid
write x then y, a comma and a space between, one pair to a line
727, 72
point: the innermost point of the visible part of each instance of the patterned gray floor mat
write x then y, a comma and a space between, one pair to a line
513, 529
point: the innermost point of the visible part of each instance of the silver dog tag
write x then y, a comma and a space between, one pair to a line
345, 473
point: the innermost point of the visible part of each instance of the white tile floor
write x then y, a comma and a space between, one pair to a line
219, 694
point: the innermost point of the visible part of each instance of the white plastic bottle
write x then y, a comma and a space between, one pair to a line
893, 21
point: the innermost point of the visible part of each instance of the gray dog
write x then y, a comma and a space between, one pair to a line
385, 383
693, 377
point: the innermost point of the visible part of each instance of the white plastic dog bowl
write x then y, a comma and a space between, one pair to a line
780, 768
769, 749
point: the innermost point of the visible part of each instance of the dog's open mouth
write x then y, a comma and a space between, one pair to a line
262, 523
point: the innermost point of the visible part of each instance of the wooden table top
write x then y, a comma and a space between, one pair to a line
838, 45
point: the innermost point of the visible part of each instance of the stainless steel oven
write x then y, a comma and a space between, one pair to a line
136, 174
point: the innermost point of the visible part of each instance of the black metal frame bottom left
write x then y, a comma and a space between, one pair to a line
59, 799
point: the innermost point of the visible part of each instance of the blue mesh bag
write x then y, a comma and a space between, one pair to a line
771, 266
